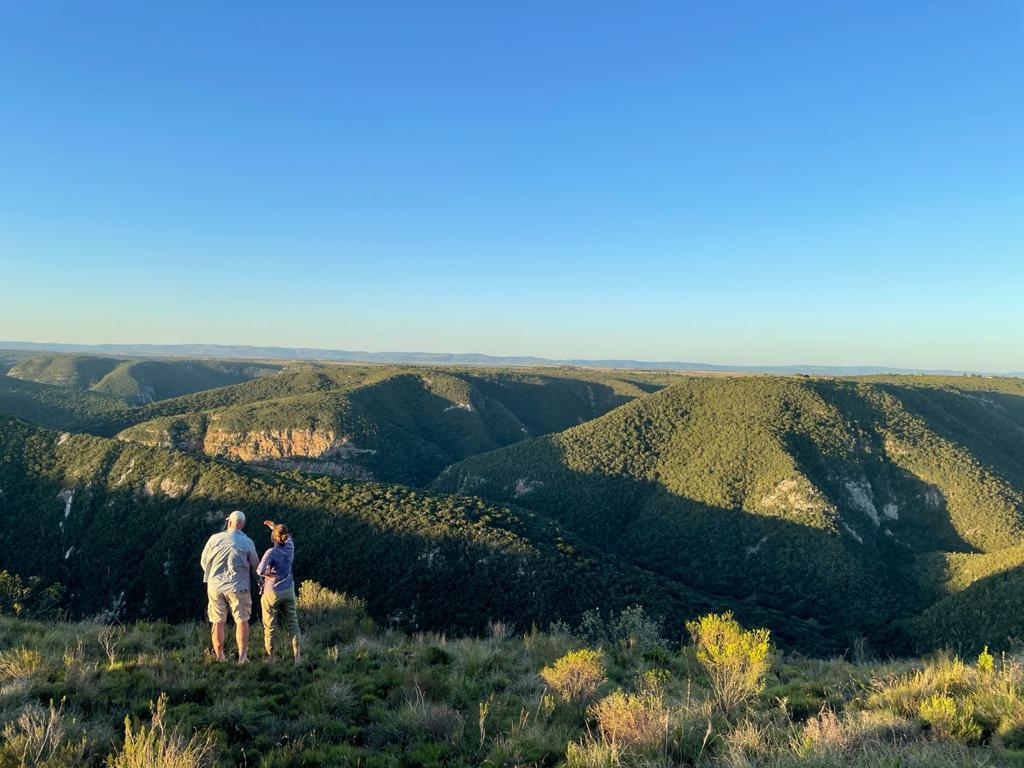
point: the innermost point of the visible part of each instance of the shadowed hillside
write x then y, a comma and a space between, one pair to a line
816, 497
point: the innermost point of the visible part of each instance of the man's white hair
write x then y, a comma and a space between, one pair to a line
237, 517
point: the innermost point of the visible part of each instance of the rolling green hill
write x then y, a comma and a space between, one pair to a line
74, 371
820, 498
395, 424
392, 424
138, 381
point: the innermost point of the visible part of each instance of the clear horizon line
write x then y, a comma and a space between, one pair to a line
41, 345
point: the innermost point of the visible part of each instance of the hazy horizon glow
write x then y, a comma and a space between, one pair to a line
734, 183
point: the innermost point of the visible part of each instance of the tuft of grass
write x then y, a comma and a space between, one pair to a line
438, 720
161, 747
41, 738
591, 753
747, 745
19, 664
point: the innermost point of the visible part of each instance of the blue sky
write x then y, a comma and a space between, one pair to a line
731, 182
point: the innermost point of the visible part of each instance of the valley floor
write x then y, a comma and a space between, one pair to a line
367, 697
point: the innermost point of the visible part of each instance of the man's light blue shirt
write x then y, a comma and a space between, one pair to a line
228, 561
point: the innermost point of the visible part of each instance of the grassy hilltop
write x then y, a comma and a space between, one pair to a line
607, 694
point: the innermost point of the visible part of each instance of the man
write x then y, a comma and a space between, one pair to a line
228, 562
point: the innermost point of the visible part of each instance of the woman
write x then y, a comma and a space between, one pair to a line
279, 589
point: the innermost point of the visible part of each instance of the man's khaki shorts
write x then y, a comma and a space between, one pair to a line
238, 603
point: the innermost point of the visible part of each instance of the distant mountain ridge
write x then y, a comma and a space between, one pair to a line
137, 381
451, 358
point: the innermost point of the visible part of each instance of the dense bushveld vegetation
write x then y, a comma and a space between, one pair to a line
824, 509
841, 515
855, 503
149, 694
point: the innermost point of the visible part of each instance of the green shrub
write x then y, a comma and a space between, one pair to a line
950, 720
1009, 737
736, 660
986, 662
332, 617
315, 599
630, 629
577, 675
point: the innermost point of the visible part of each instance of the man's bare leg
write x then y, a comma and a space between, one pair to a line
295, 650
242, 638
217, 636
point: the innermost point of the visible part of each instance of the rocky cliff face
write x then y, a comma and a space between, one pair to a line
311, 450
